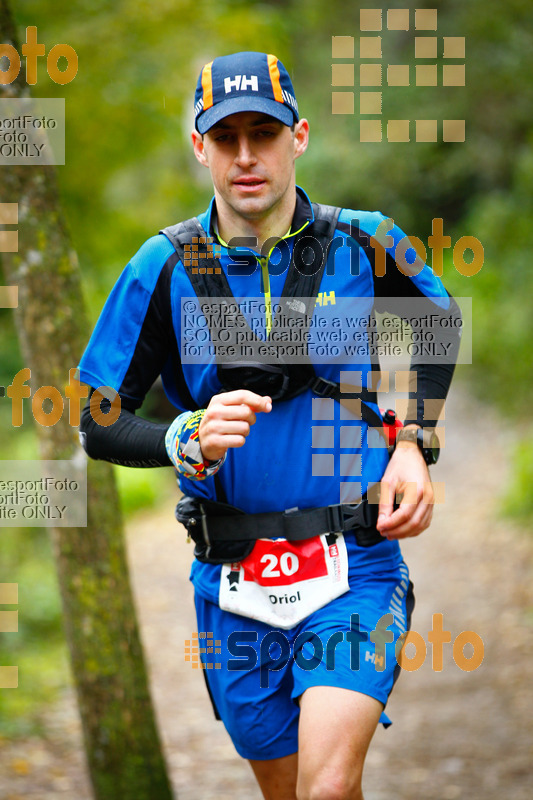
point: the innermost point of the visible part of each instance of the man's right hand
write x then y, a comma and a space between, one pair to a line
227, 420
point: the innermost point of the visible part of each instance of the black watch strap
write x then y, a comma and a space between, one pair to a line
426, 440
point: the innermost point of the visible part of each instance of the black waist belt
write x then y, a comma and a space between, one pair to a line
208, 523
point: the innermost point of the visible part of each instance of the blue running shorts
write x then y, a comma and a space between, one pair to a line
255, 673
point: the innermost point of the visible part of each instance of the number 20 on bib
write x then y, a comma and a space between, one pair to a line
282, 582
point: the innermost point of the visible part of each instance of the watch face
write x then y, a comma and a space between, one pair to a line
435, 447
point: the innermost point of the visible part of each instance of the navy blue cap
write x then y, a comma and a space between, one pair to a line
245, 81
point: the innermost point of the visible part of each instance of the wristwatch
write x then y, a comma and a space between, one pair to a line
427, 441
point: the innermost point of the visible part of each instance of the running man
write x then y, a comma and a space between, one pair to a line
250, 313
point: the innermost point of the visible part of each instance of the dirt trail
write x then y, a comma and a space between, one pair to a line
456, 734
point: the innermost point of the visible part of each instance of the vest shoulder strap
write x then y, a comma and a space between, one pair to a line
183, 233
196, 251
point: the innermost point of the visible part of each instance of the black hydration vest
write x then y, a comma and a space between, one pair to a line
277, 379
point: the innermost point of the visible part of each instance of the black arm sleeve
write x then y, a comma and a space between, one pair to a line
133, 441
433, 377
130, 441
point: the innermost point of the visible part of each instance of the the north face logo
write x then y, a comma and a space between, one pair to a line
296, 305
240, 83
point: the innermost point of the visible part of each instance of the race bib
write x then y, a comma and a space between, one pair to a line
282, 582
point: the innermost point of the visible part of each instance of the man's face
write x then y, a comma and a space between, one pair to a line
251, 159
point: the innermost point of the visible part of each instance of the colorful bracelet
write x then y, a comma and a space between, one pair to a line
183, 447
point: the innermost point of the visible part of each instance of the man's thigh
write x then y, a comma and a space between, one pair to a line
336, 727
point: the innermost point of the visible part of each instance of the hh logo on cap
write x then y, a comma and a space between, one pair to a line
240, 83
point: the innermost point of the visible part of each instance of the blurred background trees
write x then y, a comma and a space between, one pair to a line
130, 171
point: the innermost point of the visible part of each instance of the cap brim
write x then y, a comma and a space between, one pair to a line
233, 105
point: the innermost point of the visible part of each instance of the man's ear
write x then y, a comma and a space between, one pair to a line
199, 150
301, 137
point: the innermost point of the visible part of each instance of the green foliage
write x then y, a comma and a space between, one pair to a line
38, 649
518, 502
414, 182
502, 320
142, 489
129, 112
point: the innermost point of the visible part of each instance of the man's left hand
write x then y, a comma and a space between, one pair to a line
406, 474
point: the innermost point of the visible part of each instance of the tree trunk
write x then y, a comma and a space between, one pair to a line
121, 739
